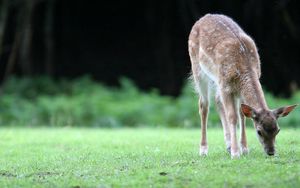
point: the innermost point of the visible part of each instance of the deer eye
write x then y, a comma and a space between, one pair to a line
257, 119
259, 133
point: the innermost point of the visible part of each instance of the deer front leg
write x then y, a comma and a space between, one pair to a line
243, 147
203, 111
231, 116
221, 111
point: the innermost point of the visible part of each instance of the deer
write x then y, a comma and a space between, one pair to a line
225, 63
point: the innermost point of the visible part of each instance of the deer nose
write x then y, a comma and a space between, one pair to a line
270, 151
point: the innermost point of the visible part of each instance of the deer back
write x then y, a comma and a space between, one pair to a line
219, 44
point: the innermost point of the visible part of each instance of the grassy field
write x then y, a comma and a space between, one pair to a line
77, 157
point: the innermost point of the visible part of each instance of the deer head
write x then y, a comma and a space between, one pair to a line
265, 123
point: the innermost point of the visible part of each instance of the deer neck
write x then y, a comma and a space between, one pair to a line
252, 93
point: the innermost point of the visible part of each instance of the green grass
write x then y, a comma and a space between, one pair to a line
78, 157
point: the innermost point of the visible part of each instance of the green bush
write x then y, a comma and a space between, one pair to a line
83, 102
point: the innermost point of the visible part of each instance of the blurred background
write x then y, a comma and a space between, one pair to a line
126, 63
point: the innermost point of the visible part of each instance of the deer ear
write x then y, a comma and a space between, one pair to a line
248, 111
284, 111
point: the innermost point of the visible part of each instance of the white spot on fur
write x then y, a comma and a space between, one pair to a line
209, 48
191, 43
201, 50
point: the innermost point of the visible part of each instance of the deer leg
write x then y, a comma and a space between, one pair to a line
231, 116
221, 111
243, 147
203, 111
202, 87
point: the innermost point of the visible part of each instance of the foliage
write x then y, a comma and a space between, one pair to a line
83, 102
79, 157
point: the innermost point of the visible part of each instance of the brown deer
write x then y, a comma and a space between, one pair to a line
225, 61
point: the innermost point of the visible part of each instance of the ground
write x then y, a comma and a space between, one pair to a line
78, 157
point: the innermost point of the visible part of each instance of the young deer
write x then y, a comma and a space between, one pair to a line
225, 60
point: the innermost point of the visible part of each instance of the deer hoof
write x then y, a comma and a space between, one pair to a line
228, 149
235, 155
244, 150
203, 150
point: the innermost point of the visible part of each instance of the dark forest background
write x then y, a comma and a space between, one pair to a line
145, 41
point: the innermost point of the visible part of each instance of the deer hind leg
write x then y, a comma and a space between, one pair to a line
243, 138
203, 111
221, 111
231, 112
201, 84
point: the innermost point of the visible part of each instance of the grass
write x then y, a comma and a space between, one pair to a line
78, 157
